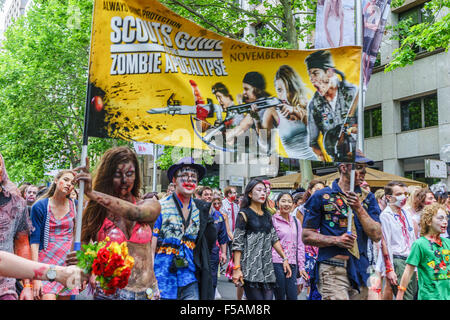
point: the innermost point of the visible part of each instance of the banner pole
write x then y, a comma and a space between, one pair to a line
84, 151
155, 155
360, 42
350, 211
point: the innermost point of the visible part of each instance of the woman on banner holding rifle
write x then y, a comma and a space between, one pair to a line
114, 210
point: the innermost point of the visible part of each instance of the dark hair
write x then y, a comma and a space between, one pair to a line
388, 189
248, 189
204, 188
281, 195
95, 213
298, 196
220, 87
311, 185
227, 190
419, 199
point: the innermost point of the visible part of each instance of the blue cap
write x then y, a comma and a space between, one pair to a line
360, 158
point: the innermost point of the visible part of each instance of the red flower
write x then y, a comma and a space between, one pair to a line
114, 283
97, 267
124, 278
110, 291
117, 261
109, 270
103, 255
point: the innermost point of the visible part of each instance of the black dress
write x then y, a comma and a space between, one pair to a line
255, 239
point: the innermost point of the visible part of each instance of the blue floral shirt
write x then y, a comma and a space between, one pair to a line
171, 241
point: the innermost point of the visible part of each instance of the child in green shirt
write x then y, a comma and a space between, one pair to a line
430, 254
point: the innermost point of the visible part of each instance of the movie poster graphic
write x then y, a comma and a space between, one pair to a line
156, 77
335, 23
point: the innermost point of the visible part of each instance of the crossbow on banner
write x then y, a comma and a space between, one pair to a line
201, 111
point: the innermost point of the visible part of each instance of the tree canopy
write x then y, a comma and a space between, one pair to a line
431, 34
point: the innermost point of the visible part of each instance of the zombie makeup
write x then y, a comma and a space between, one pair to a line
232, 195
439, 222
217, 205
123, 179
429, 199
258, 193
186, 180
65, 183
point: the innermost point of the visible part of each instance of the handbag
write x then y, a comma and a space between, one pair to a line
296, 251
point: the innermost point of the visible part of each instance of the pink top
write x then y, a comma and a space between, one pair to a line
287, 233
142, 233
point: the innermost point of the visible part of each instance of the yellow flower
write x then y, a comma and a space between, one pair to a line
129, 262
124, 249
90, 252
118, 271
114, 247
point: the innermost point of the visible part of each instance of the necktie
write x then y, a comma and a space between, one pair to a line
404, 229
232, 216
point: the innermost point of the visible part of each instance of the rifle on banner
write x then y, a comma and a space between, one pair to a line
341, 147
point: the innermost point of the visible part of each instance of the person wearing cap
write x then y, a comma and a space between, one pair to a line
254, 88
342, 264
184, 235
330, 104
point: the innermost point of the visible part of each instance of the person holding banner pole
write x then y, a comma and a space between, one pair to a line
114, 210
342, 271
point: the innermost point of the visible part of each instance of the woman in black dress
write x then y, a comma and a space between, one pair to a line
254, 237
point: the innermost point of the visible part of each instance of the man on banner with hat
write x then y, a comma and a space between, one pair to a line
330, 105
185, 234
342, 265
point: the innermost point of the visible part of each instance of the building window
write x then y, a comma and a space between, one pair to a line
372, 122
417, 15
419, 113
419, 175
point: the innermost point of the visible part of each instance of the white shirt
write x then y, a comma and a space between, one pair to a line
226, 208
396, 243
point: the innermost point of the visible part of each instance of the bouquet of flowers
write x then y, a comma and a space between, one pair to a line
109, 261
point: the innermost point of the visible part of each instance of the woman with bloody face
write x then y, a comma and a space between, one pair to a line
53, 218
254, 238
219, 251
115, 210
430, 254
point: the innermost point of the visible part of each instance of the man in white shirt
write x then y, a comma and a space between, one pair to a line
230, 208
397, 226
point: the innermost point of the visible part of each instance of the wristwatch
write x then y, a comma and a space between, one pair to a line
51, 273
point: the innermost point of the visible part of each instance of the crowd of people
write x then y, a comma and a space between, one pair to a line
270, 247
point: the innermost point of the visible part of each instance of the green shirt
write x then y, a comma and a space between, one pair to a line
432, 262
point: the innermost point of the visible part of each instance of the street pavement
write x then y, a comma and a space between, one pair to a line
227, 289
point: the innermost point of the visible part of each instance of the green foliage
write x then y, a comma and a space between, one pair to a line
275, 24
430, 35
211, 181
43, 77
172, 154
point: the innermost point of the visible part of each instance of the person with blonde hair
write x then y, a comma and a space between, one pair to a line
430, 254
290, 118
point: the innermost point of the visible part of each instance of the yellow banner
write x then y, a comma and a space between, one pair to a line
157, 77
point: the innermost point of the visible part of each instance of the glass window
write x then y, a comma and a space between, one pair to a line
372, 122
418, 15
419, 113
431, 110
411, 115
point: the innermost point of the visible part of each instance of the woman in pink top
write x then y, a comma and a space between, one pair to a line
289, 230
